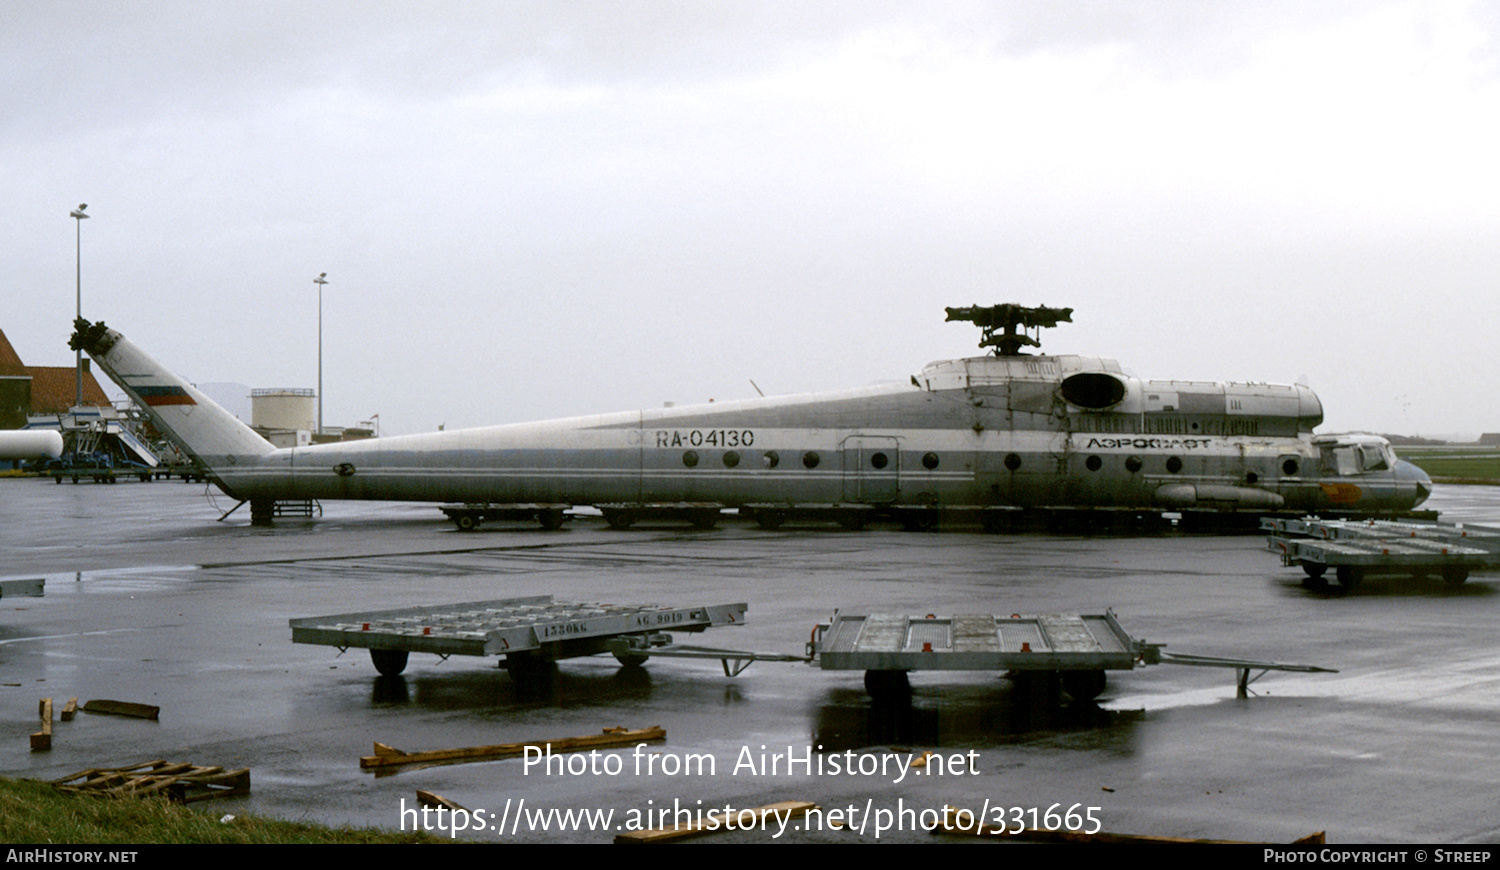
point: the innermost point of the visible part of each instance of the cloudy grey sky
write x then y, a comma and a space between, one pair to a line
531, 210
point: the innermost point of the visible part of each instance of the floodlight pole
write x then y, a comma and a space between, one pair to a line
78, 218
320, 281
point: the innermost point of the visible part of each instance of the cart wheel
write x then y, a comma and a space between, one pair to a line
887, 685
1314, 570
529, 669
57, 478
1349, 576
1083, 685
551, 520
852, 520
390, 662
1455, 576
704, 518
619, 519
466, 522
631, 659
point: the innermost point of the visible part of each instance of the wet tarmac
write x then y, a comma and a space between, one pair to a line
150, 599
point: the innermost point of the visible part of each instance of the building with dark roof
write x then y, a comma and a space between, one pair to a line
28, 390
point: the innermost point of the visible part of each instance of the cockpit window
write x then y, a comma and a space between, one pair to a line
1338, 460
1372, 458
1355, 459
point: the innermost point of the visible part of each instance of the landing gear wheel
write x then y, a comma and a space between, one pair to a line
919, 520
770, 520
390, 662
1083, 685
887, 685
1455, 576
852, 521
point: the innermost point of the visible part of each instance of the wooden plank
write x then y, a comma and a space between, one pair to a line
386, 756
436, 801
122, 708
715, 822
41, 741
69, 710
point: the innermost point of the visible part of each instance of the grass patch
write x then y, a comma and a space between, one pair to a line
1473, 465
35, 812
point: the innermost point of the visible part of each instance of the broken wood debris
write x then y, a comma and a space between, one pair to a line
181, 782
41, 741
718, 821
122, 708
387, 756
951, 825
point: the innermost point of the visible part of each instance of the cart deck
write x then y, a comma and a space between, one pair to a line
1355, 549
531, 629
975, 641
1071, 650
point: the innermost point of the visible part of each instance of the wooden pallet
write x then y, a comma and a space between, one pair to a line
178, 781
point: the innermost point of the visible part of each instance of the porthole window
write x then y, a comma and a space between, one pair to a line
1133, 464
1174, 464
690, 458
731, 459
770, 459
930, 461
1290, 468
879, 460
1093, 463
1012, 461
810, 459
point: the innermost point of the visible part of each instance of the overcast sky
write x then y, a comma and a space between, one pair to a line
533, 210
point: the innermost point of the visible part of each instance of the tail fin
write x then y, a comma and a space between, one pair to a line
199, 426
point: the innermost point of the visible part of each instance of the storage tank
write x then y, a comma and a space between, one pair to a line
284, 409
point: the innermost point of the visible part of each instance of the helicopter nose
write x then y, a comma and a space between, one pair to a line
1413, 479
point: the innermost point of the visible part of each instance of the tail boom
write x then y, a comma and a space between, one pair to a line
217, 440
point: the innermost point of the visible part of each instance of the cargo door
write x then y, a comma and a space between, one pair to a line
872, 469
